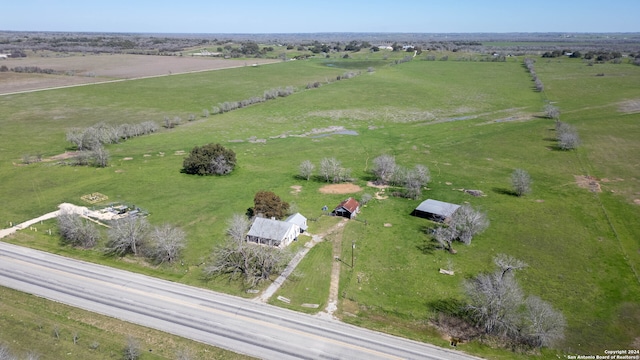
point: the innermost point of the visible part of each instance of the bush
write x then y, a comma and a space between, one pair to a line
210, 159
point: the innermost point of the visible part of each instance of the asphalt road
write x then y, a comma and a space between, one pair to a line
237, 324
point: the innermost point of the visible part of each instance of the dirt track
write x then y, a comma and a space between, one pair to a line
91, 69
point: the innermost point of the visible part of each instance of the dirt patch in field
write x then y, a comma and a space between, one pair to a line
588, 182
296, 189
630, 106
380, 195
83, 69
636, 201
340, 189
64, 156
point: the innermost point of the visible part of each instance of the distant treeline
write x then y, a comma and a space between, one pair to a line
31, 70
246, 45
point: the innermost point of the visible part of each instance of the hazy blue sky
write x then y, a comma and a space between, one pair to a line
303, 16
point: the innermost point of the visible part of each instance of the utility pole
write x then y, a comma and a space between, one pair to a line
353, 246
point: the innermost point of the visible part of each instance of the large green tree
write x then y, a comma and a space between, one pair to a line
268, 204
210, 159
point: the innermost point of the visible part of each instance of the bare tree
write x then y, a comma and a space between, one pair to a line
165, 243
384, 167
496, 304
247, 261
399, 176
445, 235
468, 222
508, 264
543, 324
306, 169
126, 235
83, 139
495, 301
76, 231
238, 226
149, 127
521, 182
567, 136
413, 188
414, 180
131, 351
422, 174
74, 136
330, 169
171, 123
552, 112
82, 158
344, 174
100, 156
91, 138
240, 259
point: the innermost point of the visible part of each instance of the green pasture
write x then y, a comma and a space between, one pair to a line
28, 324
471, 123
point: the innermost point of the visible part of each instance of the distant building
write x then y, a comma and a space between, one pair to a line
435, 210
206, 53
348, 208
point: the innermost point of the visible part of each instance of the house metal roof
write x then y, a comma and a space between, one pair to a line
298, 219
436, 207
270, 229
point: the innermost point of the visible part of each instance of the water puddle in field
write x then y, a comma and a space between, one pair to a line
340, 132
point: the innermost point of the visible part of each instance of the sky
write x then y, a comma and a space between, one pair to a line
312, 16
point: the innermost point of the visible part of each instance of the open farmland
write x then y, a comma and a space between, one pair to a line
471, 123
86, 69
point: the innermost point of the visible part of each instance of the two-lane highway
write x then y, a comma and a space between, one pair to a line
237, 324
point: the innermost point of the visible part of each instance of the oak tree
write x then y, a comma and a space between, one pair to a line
210, 159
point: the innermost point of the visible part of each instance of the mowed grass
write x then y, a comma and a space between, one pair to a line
28, 324
470, 123
309, 284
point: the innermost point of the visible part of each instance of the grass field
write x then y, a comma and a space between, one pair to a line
471, 123
33, 325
